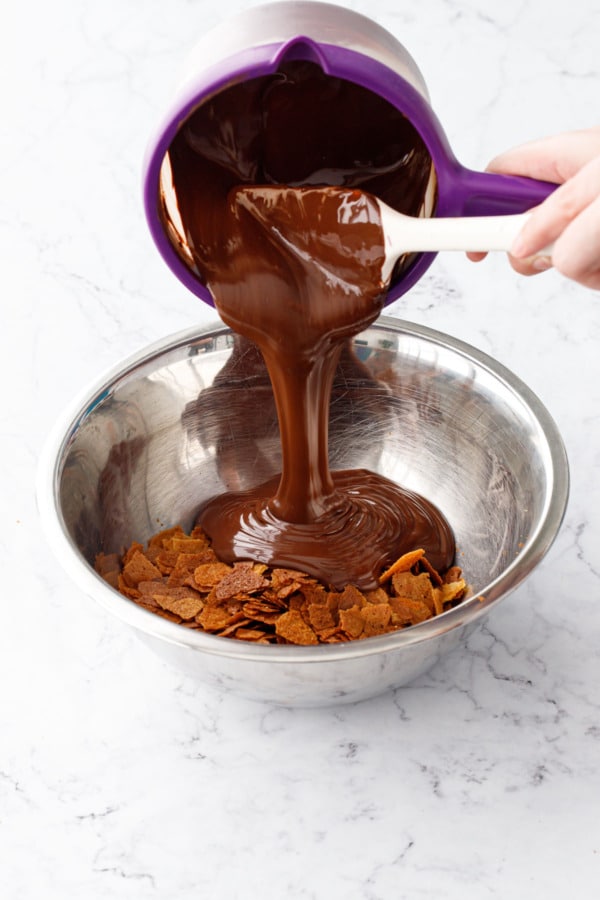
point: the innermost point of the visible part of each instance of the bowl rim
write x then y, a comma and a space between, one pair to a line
84, 576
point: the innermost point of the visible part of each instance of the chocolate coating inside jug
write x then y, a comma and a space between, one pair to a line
287, 272
298, 127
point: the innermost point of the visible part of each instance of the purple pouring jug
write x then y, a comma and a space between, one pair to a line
345, 46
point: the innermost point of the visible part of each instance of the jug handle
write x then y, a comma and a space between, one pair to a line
488, 194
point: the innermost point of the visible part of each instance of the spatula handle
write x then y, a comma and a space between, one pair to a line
476, 233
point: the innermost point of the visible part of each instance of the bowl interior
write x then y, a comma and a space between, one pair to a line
195, 417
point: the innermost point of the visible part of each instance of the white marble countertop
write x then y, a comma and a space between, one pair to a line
119, 778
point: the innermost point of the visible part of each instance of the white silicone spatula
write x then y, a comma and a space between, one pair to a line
294, 212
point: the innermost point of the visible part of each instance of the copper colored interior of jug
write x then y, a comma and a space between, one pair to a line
297, 126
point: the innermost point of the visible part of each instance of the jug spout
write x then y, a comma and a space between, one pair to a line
302, 49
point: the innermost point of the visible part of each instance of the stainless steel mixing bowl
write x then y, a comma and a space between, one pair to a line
194, 416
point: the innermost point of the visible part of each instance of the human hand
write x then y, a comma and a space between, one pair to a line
570, 216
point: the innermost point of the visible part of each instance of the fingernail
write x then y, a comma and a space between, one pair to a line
541, 263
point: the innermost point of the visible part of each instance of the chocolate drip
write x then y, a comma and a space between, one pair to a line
370, 522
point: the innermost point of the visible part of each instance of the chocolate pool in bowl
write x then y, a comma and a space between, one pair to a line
193, 416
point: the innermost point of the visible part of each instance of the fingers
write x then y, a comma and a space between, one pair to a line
555, 158
549, 220
577, 252
569, 218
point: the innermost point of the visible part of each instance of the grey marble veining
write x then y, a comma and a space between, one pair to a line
119, 778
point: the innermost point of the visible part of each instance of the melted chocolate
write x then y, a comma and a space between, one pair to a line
297, 270
299, 127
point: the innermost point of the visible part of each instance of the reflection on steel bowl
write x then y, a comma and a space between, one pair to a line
193, 416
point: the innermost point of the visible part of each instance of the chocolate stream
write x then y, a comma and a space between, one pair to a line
298, 272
